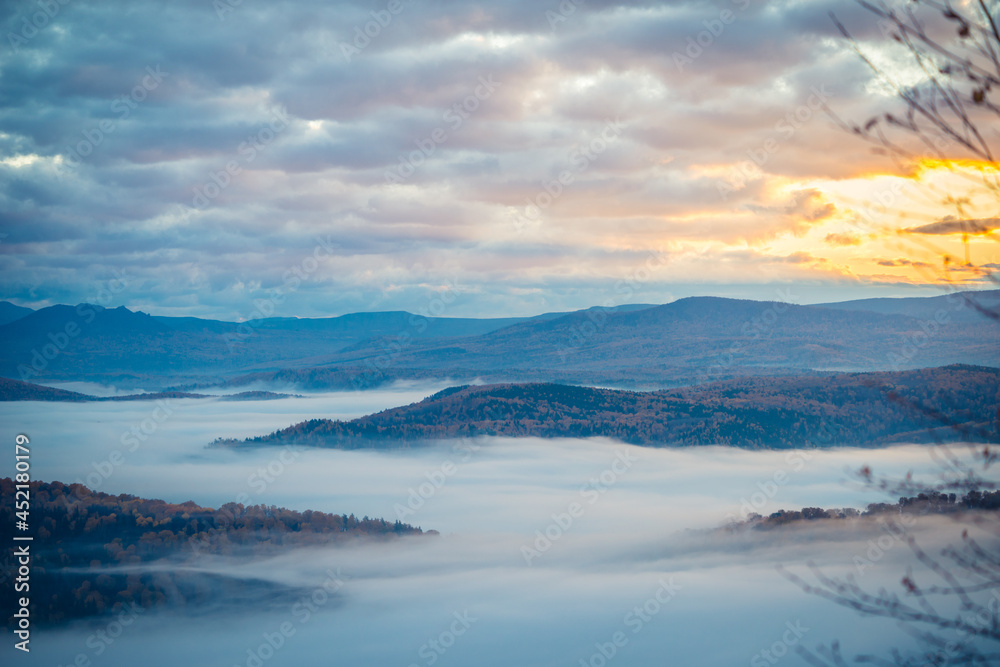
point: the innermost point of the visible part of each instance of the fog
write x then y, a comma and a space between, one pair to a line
546, 547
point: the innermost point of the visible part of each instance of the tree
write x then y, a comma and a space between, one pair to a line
950, 115
955, 619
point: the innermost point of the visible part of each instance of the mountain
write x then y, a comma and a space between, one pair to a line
92, 342
94, 320
928, 307
693, 339
354, 326
15, 390
696, 339
9, 312
942, 404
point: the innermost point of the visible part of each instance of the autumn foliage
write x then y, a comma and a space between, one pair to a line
95, 553
863, 409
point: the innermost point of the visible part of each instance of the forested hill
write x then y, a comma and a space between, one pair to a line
939, 404
923, 504
97, 553
15, 390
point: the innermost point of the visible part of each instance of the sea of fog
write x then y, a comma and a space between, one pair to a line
551, 552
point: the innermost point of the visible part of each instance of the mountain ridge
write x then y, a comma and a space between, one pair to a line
949, 403
645, 345
16, 390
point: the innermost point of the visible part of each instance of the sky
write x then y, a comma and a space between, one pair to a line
202, 157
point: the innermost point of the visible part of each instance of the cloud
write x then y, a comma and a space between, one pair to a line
843, 239
743, 102
951, 225
902, 261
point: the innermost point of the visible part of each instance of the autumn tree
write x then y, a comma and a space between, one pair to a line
952, 610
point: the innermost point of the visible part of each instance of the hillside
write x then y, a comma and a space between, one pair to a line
950, 403
15, 390
713, 335
120, 346
10, 312
97, 553
698, 338
927, 307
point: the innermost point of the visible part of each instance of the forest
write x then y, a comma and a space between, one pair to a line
922, 504
96, 554
861, 409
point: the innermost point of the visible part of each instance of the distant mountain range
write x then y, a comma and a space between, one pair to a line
15, 390
88, 342
954, 403
691, 340
9, 312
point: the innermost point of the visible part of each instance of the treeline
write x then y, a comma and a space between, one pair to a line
91, 551
953, 403
16, 390
931, 502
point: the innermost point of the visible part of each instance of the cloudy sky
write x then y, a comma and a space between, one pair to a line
197, 156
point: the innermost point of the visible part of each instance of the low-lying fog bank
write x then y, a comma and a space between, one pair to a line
552, 552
